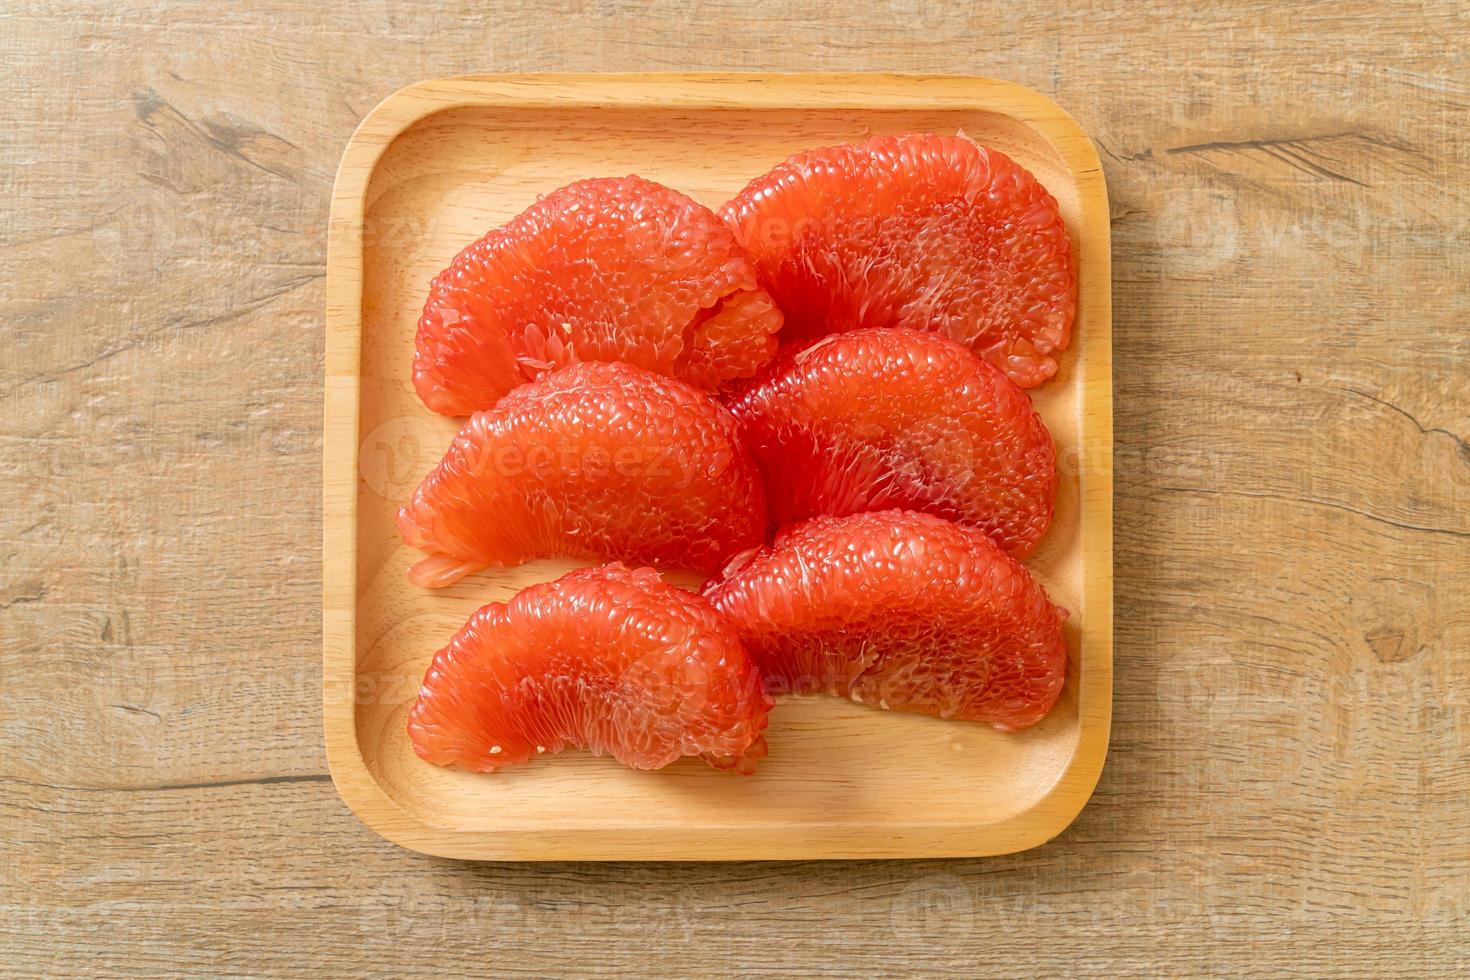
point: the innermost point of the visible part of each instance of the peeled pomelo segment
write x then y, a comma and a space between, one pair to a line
598, 461
880, 419
927, 232
900, 610
610, 659
610, 269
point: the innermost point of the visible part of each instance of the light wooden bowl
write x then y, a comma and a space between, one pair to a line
435, 166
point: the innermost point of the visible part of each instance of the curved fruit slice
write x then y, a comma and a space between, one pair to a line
610, 659
929, 232
882, 419
600, 461
902, 610
600, 270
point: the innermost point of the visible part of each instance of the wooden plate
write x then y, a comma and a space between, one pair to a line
431, 169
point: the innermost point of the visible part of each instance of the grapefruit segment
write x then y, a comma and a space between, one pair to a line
883, 419
599, 461
928, 232
901, 610
610, 659
609, 269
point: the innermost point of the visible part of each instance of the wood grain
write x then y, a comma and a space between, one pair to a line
1287, 782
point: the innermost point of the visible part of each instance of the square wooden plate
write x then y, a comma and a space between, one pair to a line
435, 166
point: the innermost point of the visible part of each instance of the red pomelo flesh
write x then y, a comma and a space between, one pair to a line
900, 610
599, 461
609, 269
610, 659
927, 232
883, 419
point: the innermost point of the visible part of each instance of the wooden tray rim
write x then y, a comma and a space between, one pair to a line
1051, 813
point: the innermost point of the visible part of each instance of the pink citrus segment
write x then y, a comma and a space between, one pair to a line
928, 232
610, 269
599, 461
900, 610
881, 419
609, 659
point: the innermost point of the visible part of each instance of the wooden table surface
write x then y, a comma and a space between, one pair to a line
1288, 781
